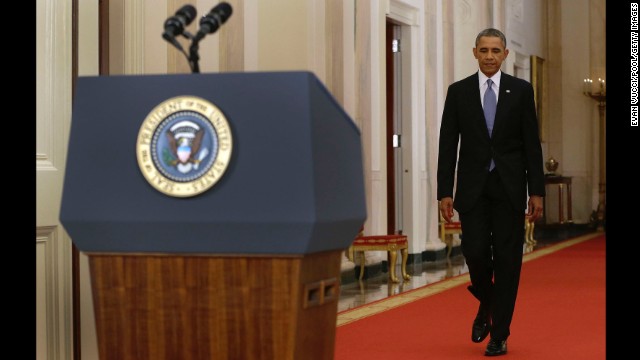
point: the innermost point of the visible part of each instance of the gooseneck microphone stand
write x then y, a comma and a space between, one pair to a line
194, 57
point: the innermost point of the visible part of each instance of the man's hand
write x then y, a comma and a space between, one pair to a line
446, 208
535, 207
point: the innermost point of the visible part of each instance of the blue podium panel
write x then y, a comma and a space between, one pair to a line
293, 185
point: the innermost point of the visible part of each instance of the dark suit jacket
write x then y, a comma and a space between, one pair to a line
514, 146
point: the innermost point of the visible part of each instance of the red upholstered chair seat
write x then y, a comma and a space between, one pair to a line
386, 240
453, 226
389, 243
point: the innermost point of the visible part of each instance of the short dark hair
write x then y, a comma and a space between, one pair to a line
492, 33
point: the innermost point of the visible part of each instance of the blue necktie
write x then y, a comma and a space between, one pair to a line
490, 104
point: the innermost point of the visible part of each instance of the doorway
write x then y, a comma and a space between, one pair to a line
394, 126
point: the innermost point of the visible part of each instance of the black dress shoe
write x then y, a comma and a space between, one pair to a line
496, 347
480, 329
482, 323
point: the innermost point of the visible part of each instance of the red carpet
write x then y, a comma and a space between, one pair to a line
560, 314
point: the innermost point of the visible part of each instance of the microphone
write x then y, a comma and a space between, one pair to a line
212, 21
175, 25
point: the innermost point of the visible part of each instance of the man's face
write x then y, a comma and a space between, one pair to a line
490, 53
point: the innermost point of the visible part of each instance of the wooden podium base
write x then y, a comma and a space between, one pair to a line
216, 307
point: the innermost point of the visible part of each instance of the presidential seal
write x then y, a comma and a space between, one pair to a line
184, 146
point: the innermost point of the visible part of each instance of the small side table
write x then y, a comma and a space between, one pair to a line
562, 182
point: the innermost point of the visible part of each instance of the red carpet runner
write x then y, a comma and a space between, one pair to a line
560, 314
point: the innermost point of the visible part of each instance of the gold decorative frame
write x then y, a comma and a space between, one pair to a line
538, 76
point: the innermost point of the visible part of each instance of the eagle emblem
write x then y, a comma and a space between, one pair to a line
185, 139
184, 146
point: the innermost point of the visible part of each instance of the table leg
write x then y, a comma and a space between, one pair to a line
544, 210
570, 217
560, 204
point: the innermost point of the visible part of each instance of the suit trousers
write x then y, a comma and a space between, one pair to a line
492, 243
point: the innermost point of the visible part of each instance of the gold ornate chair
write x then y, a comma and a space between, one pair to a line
389, 243
529, 241
447, 230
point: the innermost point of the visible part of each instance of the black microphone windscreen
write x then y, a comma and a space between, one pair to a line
175, 24
188, 12
223, 10
216, 17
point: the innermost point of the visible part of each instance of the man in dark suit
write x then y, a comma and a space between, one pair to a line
499, 162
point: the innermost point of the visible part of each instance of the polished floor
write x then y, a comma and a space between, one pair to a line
357, 293
368, 290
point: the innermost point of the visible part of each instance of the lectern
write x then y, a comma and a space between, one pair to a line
214, 209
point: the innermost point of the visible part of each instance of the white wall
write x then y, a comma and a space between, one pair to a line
469, 18
525, 21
